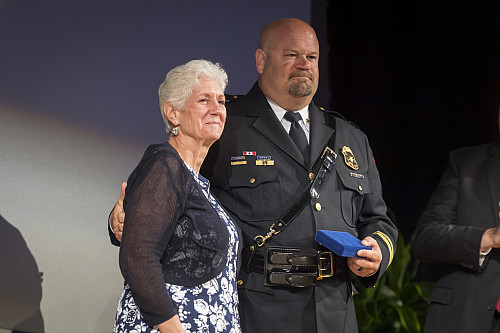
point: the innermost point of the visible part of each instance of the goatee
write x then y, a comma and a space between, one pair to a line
301, 89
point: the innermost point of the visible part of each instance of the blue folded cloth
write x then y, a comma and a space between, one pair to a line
341, 243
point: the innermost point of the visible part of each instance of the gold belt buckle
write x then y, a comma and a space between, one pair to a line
322, 271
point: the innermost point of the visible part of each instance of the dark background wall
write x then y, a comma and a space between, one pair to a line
420, 78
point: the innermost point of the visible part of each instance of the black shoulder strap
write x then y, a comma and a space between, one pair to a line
322, 167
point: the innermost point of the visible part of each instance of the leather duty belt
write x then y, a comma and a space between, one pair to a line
293, 267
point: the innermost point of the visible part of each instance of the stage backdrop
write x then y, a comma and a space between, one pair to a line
78, 105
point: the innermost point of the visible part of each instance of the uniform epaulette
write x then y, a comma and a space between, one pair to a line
232, 98
339, 115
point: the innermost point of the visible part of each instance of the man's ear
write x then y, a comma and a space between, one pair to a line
171, 113
260, 60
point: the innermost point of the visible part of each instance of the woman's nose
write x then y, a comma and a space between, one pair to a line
215, 106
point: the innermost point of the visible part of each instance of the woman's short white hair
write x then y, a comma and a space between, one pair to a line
181, 80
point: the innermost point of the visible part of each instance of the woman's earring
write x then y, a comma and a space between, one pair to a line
175, 130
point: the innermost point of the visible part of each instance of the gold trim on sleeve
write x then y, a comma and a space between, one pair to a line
389, 244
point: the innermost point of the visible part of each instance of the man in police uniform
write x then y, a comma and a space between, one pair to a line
257, 172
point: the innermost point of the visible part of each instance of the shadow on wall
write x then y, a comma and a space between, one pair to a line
20, 283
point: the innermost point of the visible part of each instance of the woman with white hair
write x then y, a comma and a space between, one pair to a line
179, 248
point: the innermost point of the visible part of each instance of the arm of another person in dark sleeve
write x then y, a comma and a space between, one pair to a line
152, 209
438, 238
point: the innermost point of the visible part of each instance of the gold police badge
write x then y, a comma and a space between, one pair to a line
349, 158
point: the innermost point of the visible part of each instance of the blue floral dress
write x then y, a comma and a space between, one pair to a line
211, 307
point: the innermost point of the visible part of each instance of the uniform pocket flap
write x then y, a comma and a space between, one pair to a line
354, 181
252, 176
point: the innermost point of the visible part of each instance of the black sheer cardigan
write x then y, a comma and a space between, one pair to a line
171, 233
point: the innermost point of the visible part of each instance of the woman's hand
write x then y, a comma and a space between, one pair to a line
173, 325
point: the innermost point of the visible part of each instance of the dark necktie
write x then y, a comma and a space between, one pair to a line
297, 134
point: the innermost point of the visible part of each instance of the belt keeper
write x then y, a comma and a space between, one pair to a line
290, 267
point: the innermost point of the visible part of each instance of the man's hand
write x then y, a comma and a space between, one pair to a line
370, 260
118, 215
491, 237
